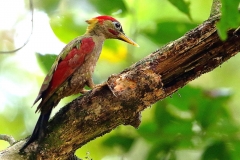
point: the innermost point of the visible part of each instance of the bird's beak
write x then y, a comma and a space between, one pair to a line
123, 37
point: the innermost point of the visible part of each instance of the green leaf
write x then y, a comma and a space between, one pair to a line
185, 98
182, 6
179, 128
66, 28
235, 149
119, 140
162, 116
48, 6
217, 150
162, 150
108, 7
45, 61
230, 17
205, 107
149, 131
210, 111
167, 31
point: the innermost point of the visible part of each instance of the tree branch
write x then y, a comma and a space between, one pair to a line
124, 96
216, 8
7, 138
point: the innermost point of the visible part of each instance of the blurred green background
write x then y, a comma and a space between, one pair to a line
200, 121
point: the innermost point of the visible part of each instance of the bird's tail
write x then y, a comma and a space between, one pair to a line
38, 131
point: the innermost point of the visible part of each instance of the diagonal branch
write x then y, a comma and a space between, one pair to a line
7, 138
124, 96
216, 7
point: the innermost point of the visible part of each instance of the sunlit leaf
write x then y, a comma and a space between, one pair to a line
162, 116
47, 6
109, 7
200, 105
230, 17
162, 150
182, 6
210, 111
45, 61
149, 131
66, 28
119, 140
114, 53
235, 152
185, 98
179, 128
167, 31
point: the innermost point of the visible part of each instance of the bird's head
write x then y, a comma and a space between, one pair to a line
109, 27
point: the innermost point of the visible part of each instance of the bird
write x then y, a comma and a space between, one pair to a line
73, 69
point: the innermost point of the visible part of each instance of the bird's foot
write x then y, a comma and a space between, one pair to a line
83, 91
99, 85
93, 86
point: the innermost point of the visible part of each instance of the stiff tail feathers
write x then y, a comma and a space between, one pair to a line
39, 129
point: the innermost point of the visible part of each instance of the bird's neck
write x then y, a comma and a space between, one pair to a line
97, 36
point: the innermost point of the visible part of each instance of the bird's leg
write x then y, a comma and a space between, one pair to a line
83, 91
90, 84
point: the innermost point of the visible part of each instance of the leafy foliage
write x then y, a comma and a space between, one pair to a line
117, 6
192, 118
61, 26
217, 150
45, 61
183, 6
230, 17
48, 6
189, 119
167, 31
124, 141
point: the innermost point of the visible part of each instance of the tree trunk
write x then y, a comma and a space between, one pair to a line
122, 98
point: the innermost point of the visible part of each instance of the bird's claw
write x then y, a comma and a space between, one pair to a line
83, 91
99, 85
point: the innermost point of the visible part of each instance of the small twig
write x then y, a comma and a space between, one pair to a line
216, 8
7, 138
236, 30
26, 42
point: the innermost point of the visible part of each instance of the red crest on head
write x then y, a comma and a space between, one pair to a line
104, 18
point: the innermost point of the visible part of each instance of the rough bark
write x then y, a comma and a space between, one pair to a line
124, 96
216, 7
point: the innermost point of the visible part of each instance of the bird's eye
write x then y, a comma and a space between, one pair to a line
118, 26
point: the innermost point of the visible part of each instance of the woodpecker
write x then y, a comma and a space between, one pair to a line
73, 68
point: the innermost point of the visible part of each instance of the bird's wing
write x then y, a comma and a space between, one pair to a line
68, 61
